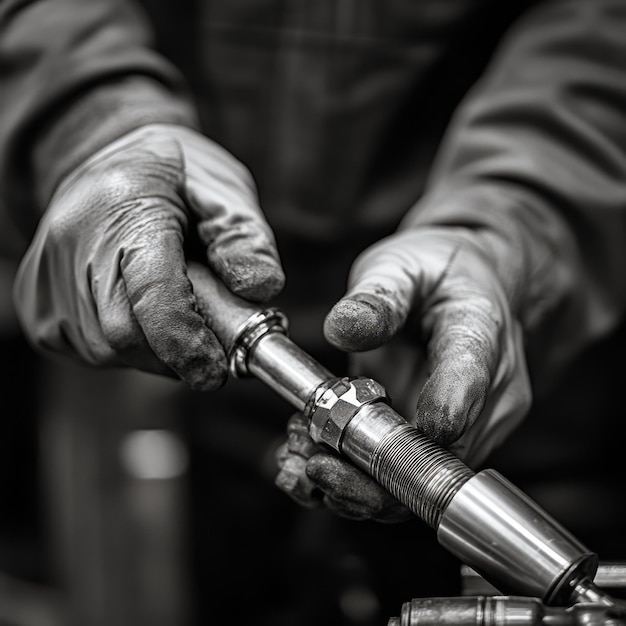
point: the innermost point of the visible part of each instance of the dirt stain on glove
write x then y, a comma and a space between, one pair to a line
363, 321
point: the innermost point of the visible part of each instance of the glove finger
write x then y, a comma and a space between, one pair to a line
351, 493
299, 440
385, 283
298, 423
51, 317
508, 402
121, 328
241, 248
293, 480
162, 300
465, 322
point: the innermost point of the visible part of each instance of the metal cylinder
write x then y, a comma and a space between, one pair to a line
413, 468
505, 536
284, 367
473, 611
503, 611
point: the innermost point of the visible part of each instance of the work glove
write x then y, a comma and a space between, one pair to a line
428, 314
105, 277
465, 382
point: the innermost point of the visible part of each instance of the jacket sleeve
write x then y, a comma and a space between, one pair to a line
537, 153
74, 75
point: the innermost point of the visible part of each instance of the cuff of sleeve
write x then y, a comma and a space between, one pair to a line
97, 118
538, 259
523, 236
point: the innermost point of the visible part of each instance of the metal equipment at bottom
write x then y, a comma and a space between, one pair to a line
504, 611
481, 604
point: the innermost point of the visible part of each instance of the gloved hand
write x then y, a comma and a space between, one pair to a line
457, 356
315, 476
440, 290
105, 277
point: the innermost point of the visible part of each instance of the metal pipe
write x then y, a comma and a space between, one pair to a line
285, 368
500, 531
503, 611
610, 576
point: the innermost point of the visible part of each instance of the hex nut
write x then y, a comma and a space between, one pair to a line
338, 403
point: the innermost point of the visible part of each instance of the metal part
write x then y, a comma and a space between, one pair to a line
504, 611
255, 327
481, 518
336, 402
499, 530
417, 471
610, 576
284, 367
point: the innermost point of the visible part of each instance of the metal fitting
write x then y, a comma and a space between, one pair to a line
336, 402
257, 326
505, 611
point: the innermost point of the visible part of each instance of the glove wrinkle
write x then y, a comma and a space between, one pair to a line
313, 475
348, 491
471, 388
360, 322
105, 278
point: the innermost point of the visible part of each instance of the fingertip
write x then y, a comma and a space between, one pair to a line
439, 422
198, 357
292, 479
339, 479
358, 323
450, 402
204, 382
252, 273
323, 468
202, 374
258, 280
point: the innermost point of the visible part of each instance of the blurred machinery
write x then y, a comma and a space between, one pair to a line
482, 605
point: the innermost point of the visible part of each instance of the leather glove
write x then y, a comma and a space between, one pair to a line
314, 476
457, 356
460, 359
105, 277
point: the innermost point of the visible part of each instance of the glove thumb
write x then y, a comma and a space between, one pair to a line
376, 304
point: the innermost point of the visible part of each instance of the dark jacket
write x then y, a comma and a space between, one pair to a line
339, 110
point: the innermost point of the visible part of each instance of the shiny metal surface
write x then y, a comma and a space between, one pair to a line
507, 538
610, 577
586, 590
256, 326
363, 434
337, 403
284, 367
482, 519
503, 611
413, 468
